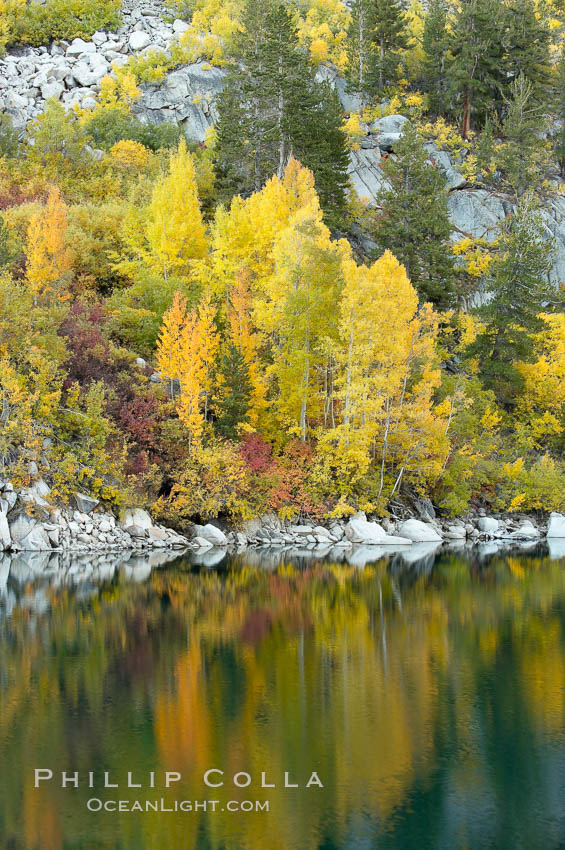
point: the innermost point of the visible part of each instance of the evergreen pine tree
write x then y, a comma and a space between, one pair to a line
361, 58
527, 42
485, 150
248, 128
318, 143
414, 223
520, 287
477, 71
435, 43
390, 36
560, 113
524, 157
271, 108
232, 406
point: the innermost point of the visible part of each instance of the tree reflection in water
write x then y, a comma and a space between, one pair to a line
426, 689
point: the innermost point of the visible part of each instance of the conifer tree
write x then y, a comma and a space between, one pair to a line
524, 157
560, 110
435, 44
271, 108
527, 41
414, 223
233, 400
477, 70
520, 286
318, 144
390, 36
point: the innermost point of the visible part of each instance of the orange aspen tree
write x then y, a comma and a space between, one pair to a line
48, 258
186, 350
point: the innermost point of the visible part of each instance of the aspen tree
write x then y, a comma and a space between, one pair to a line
192, 377
246, 340
48, 259
296, 311
175, 231
170, 339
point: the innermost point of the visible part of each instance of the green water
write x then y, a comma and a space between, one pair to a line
426, 693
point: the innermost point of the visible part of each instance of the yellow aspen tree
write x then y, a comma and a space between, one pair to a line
192, 376
186, 350
299, 187
296, 313
175, 231
377, 305
169, 343
48, 258
387, 374
208, 346
245, 338
540, 406
417, 440
242, 237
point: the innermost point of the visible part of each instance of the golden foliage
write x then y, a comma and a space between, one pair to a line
48, 259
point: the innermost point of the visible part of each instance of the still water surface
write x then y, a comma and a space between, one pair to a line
427, 691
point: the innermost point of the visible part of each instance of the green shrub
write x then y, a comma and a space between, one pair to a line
38, 24
56, 137
112, 125
8, 136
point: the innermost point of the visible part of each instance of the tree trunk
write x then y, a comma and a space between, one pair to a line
282, 162
361, 61
466, 126
381, 64
305, 381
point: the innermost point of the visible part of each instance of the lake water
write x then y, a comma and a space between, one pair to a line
425, 690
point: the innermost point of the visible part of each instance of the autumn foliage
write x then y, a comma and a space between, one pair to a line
248, 362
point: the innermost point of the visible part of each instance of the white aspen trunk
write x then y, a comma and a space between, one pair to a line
385, 444
305, 380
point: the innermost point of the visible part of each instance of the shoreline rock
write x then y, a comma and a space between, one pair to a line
29, 523
359, 531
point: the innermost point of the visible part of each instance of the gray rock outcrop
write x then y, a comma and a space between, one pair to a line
214, 536
488, 524
186, 97
359, 530
366, 176
556, 526
419, 532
